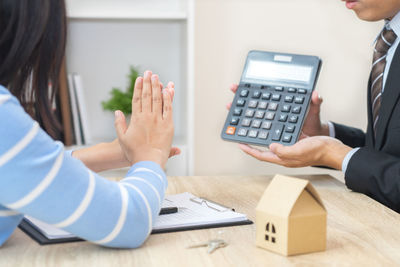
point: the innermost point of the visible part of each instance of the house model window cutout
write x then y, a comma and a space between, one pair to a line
290, 217
270, 234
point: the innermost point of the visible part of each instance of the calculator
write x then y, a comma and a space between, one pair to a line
272, 99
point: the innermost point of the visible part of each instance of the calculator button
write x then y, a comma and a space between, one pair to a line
266, 96
246, 122
273, 106
290, 128
262, 105
293, 119
283, 117
287, 138
244, 93
242, 132
286, 108
289, 99
266, 125
253, 104
292, 90
230, 130
253, 133
237, 111
299, 100
302, 91
264, 86
247, 85
270, 116
256, 94
279, 88
276, 97
235, 121
277, 132
256, 124
263, 135
296, 110
240, 102
249, 113
259, 114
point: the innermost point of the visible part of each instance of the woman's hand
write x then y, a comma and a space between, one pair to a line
309, 151
313, 126
149, 134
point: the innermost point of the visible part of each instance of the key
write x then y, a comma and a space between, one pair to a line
216, 244
199, 245
212, 245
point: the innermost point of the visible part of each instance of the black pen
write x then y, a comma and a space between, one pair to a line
168, 210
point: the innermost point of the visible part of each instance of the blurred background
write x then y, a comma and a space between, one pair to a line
202, 45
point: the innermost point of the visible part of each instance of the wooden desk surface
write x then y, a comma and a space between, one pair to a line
361, 232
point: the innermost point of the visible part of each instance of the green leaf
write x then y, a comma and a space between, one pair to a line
122, 100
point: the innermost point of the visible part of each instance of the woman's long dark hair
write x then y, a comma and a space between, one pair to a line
32, 47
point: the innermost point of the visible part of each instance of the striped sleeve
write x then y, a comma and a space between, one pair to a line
38, 178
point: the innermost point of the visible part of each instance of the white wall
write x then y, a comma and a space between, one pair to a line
102, 50
227, 29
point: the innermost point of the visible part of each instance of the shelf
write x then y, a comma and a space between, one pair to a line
128, 16
127, 9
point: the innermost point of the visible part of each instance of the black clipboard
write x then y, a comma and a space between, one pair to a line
35, 233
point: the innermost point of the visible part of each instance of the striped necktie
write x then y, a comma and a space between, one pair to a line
383, 43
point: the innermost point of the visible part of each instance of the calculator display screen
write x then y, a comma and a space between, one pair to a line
266, 70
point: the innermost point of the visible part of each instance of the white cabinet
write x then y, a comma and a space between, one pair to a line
105, 37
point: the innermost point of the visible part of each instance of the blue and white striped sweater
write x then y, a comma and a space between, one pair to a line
39, 179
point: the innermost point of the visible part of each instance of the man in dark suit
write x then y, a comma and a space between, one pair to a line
371, 160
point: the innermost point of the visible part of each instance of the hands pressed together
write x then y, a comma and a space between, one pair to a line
148, 137
314, 148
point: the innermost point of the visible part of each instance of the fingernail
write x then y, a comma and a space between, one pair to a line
154, 77
117, 114
147, 74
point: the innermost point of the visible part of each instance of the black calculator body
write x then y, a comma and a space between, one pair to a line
273, 98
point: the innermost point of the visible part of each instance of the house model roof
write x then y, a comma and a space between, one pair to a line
282, 194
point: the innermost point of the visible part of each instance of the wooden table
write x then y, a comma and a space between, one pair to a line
361, 232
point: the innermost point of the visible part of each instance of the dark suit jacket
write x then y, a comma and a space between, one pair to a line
375, 168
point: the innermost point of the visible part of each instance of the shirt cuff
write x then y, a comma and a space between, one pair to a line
331, 127
347, 159
69, 152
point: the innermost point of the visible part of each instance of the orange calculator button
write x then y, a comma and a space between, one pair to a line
230, 130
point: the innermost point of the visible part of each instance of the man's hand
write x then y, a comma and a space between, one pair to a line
310, 151
313, 126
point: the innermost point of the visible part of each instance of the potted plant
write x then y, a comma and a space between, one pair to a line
122, 100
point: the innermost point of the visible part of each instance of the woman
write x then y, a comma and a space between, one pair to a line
37, 177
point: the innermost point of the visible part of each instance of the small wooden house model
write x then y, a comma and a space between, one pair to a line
290, 217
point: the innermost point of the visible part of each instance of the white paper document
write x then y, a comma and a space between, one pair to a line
194, 211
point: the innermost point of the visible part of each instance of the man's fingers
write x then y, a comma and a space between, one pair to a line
156, 96
229, 105
234, 87
120, 123
303, 136
137, 96
291, 153
260, 155
147, 92
316, 98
